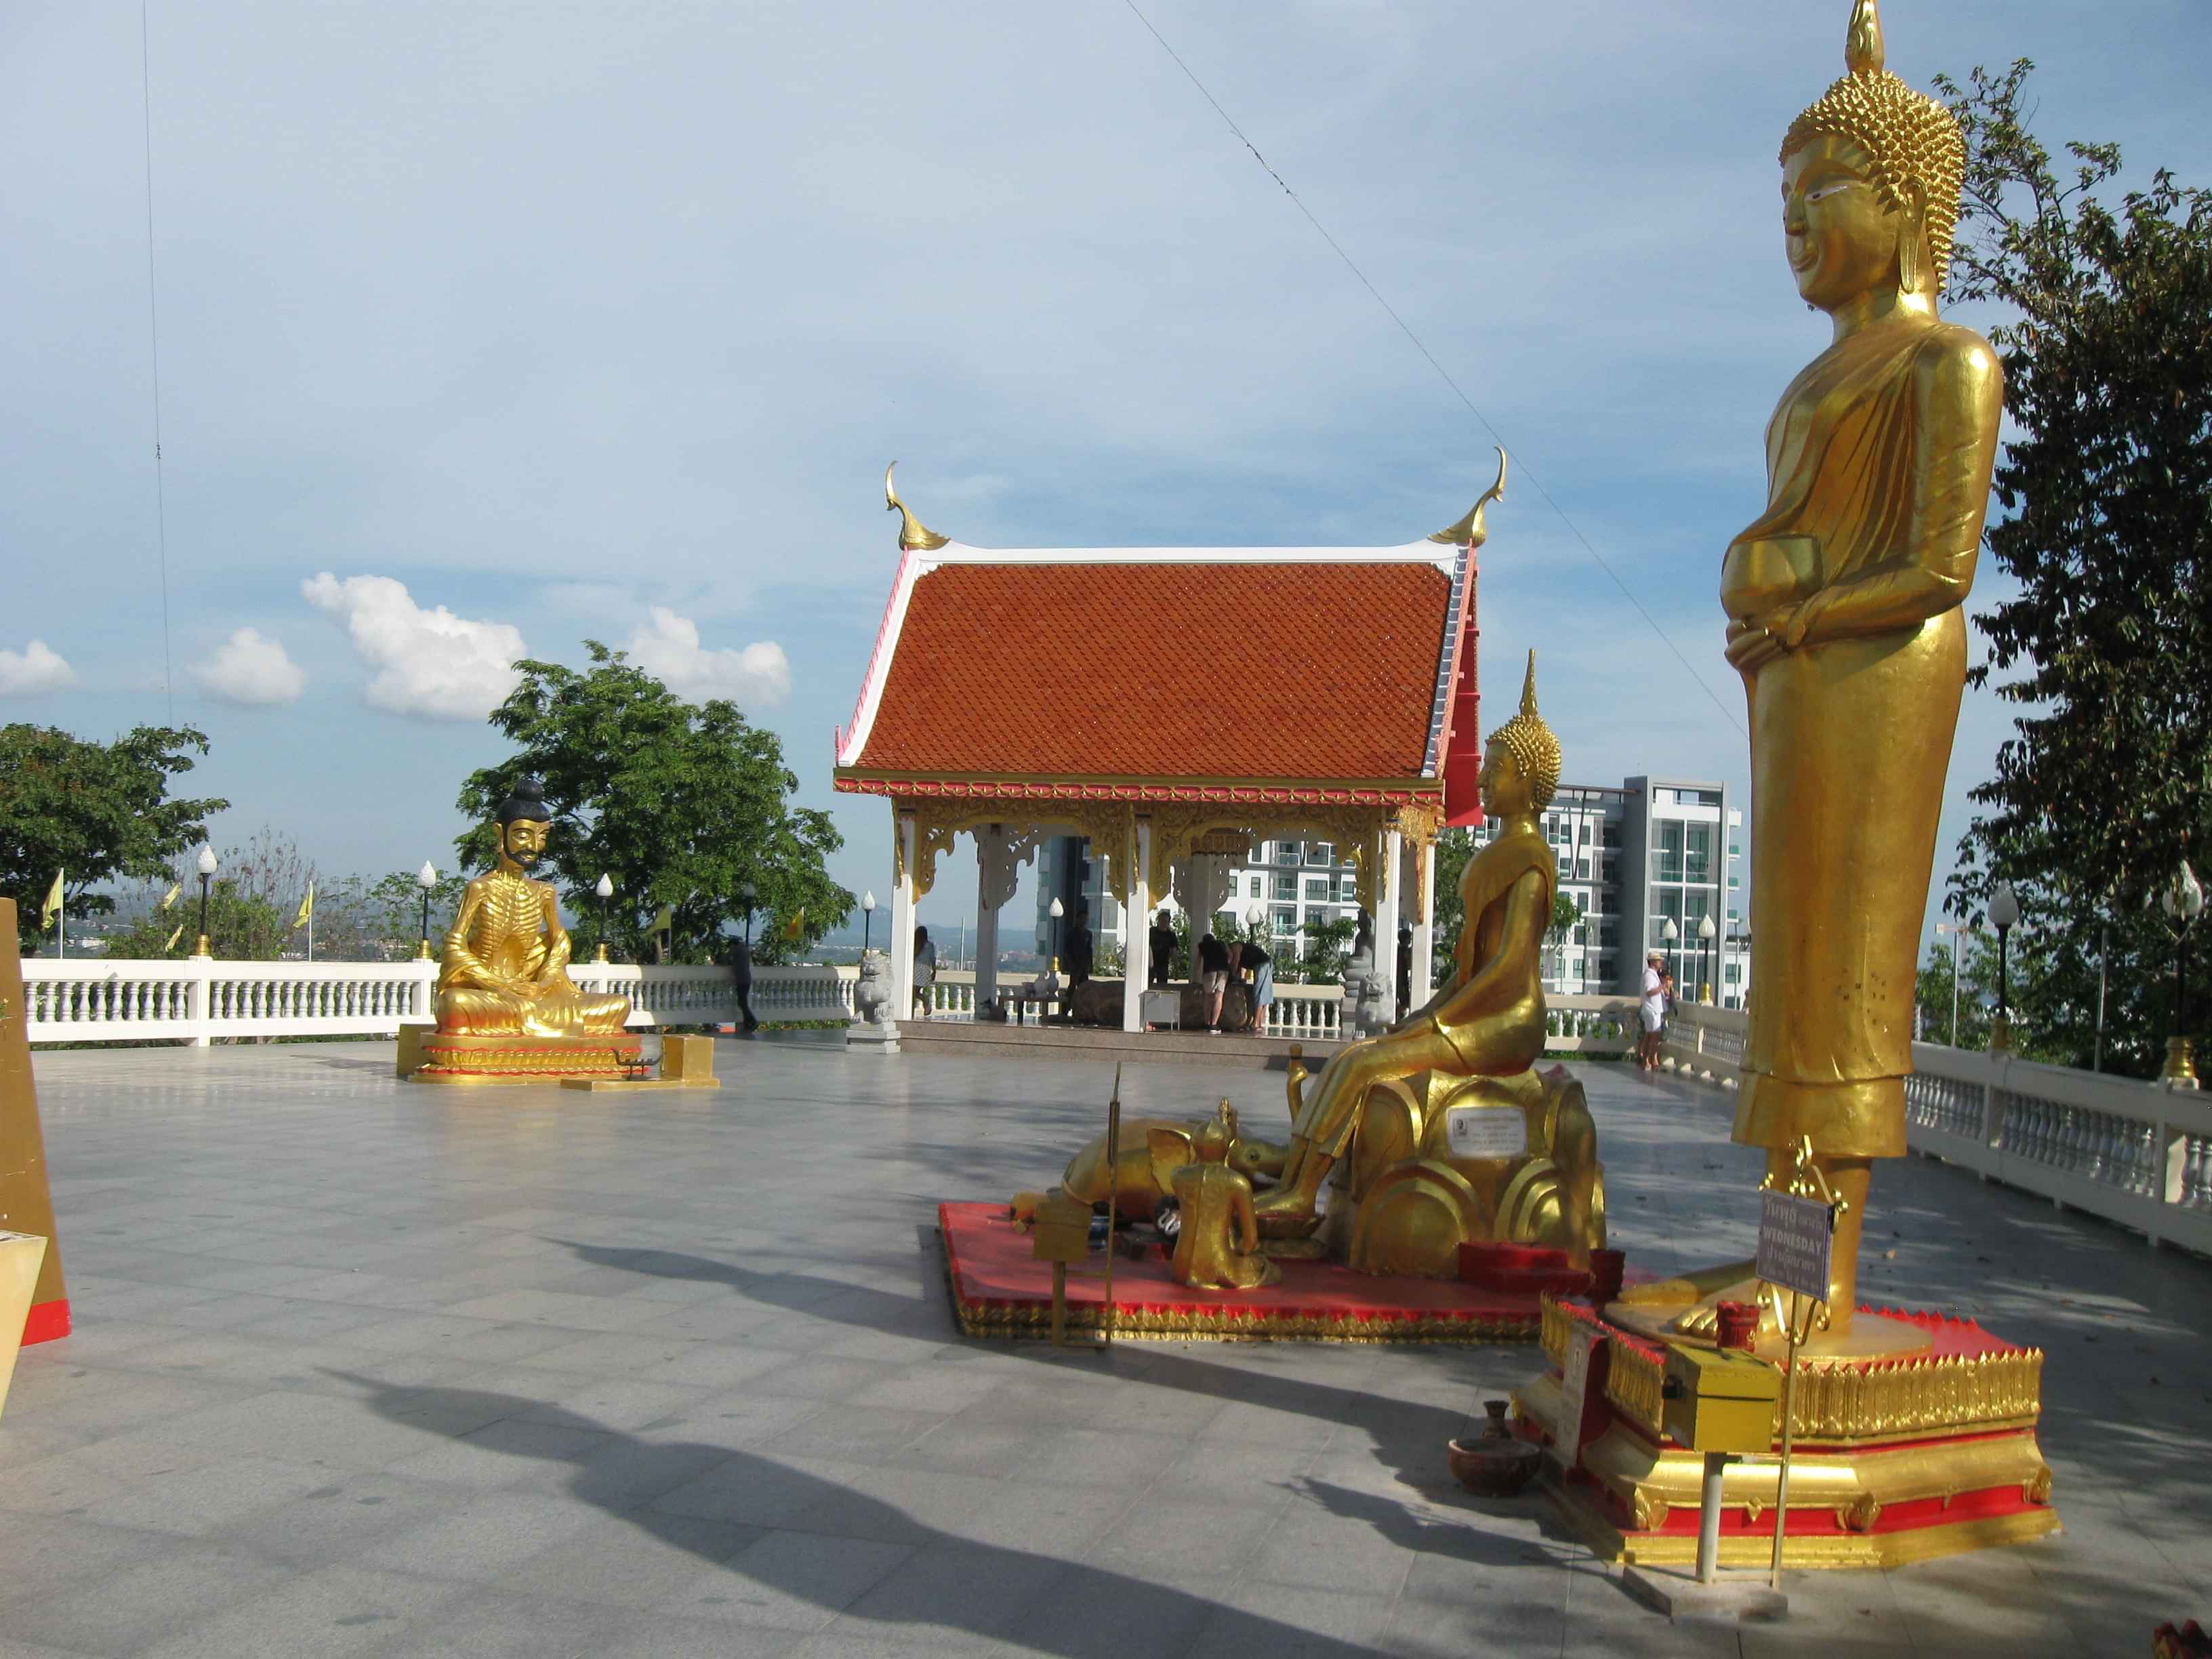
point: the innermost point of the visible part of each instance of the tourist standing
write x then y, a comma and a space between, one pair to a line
1162, 963
1251, 958
741, 977
1212, 978
925, 971
1651, 1011
1081, 946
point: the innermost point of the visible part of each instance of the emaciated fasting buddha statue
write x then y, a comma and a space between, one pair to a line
504, 969
1844, 605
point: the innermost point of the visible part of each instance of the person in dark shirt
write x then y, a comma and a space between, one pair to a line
1212, 978
1081, 947
741, 976
1404, 968
1251, 959
1163, 949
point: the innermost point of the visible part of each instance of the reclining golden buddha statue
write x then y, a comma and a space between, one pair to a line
1452, 1135
507, 1011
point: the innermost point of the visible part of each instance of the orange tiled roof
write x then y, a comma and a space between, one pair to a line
1219, 671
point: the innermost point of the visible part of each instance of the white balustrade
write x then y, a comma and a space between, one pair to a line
196, 1000
2136, 1153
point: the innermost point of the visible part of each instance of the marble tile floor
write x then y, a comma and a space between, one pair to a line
369, 1369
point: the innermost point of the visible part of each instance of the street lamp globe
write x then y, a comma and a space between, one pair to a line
2004, 906
206, 861
1058, 910
427, 876
868, 902
2183, 897
1253, 917
604, 887
1670, 932
1706, 930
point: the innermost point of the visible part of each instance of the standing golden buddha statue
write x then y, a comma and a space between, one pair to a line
507, 1011
1843, 604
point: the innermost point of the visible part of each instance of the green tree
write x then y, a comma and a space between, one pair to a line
2105, 784
1453, 849
677, 804
100, 811
252, 903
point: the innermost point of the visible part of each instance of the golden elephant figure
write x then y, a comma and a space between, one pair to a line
1152, 1151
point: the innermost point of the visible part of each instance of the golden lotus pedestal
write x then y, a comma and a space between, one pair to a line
452, 1058
1897, 1458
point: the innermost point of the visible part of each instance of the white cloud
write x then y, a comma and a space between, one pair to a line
250, 670
428, 663
667, 645
38, 667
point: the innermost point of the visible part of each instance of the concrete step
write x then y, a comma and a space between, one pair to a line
983, 1038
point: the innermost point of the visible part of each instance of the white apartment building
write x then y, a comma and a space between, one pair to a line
1633, 859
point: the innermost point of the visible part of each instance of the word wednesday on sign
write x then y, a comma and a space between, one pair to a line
1797, 1236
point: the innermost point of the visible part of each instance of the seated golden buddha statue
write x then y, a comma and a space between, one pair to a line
1453, 1135
1844, 605
503, 973
1218, 1243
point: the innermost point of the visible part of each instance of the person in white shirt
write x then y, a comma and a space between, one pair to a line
1653, 1010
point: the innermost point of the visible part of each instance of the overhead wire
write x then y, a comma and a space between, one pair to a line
1443, 374
154, 331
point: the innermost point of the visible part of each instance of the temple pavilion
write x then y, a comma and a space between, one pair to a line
1131, 697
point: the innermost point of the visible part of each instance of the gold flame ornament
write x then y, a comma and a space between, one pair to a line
1471, 533
915, 536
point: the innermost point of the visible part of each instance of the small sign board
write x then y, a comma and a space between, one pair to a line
1574, 1392
1796, 1238
1487, 1130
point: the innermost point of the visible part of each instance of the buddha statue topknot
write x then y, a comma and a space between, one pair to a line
1843, 602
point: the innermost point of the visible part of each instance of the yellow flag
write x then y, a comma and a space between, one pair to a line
796, 926
306, 910
49, 910
178, 933
665, 919
169, 897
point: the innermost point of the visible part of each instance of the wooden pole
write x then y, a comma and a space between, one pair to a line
1113, 1166
1782, 1481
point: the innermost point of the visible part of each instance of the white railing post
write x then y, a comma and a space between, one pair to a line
198, 1014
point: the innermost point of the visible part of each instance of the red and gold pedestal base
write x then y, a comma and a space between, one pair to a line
455, 1058
1895, 1460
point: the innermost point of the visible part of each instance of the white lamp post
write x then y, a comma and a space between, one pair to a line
1705, 932
606, 890
867, 918
2183, 901
1058, 911
206, 866
2005, 913
426, 880
1956, 930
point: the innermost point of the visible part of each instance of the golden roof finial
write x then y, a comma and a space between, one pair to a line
915, 536
1470, 531
1862, 48
1532, 744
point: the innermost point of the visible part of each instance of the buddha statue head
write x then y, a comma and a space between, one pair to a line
1521, 763
1210, 1145
1871, 175
524, 822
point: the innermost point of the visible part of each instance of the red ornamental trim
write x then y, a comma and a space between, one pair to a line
1229, 794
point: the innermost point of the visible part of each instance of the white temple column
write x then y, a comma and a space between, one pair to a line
900, 949
1136, 927
1425, 925
986, 933
1387, 888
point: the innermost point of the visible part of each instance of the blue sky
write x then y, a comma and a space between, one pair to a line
602, 321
